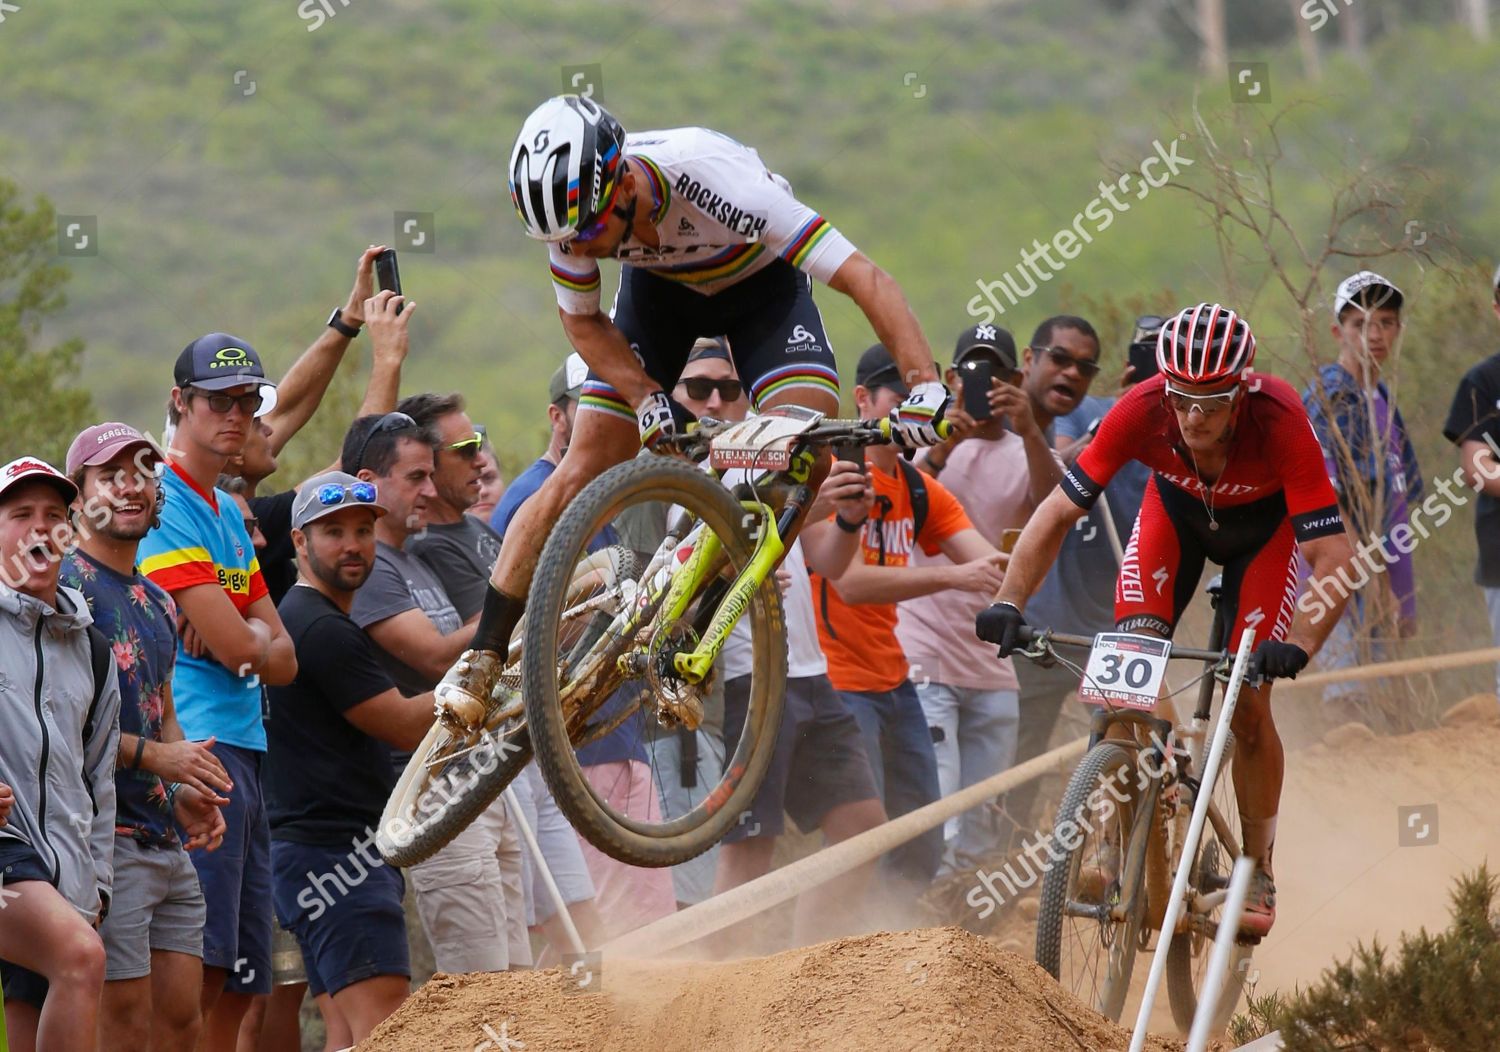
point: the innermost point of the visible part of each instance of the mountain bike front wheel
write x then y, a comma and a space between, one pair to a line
622, 687
1088, 931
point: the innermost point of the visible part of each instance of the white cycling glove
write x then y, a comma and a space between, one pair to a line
914, 422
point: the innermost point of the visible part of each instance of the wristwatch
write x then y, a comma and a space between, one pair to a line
338, 324
847, 526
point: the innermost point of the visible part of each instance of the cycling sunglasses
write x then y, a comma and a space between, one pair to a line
332, 494
1087, 368
700, 387
1207, 404
389, 422
221, 403
596, 226
468, 448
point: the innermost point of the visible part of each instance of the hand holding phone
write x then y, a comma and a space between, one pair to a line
978, 375
854, 452
388, 275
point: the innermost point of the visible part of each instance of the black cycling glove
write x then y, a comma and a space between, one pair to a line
1001, 624
1276, 660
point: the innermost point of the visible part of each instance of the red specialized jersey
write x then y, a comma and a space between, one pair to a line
1273, 450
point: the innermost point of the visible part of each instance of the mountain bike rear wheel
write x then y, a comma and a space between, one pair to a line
574, 689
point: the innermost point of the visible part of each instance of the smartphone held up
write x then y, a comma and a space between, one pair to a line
388, 275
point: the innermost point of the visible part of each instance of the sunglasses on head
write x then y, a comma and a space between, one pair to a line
699, 388
389, 422
1207, 404
1087, 368
221, 403
332, 494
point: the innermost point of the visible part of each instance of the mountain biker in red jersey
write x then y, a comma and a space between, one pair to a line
710, 241
1238, 479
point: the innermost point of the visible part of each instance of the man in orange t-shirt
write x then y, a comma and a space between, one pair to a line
857, 612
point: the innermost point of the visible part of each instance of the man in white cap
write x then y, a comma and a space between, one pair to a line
1374, 471
60, 725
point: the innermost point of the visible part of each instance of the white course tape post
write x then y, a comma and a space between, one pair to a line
1209, 778
1218, 964
541, 865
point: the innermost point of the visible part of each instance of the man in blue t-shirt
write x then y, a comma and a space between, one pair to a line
230, 641
153, 935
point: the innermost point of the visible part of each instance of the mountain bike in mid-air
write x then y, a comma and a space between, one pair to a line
616, 653
1123, 822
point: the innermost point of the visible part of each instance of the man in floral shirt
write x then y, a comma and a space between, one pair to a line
153, 936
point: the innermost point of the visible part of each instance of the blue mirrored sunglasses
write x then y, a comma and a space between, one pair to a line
332, 494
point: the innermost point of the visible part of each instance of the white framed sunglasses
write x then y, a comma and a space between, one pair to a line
1207, 404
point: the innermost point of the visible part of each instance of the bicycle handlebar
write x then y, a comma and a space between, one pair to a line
1044, 639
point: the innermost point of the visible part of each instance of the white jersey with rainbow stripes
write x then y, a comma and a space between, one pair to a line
720, 214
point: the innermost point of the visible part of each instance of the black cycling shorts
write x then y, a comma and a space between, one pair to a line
775, 333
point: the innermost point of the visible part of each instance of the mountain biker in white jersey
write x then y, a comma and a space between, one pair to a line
710, 241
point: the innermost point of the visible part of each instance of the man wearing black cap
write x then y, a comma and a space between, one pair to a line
970, 700
1375, 472
328, 773
232, 641
857, 610
57, 807
563, 391
1474, 426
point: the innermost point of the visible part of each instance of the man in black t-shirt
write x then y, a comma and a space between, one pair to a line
328, 772
1474, 426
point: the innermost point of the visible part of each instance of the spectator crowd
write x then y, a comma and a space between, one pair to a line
210, 683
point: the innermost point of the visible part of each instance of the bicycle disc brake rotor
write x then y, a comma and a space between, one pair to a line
678, 702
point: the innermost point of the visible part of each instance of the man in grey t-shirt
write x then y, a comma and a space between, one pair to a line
459, 548
469, 894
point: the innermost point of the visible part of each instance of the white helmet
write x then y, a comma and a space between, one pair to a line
565, 166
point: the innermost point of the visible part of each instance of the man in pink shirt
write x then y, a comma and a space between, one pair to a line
1000, 469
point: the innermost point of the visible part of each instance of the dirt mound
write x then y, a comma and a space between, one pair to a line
934, 990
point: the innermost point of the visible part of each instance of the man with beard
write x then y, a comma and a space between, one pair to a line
329, 773
153, 936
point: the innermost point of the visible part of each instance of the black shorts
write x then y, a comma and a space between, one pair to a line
775, 333
819, 763
1169, 545
19, 862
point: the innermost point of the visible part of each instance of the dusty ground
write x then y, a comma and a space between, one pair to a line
1351, 864
933, 990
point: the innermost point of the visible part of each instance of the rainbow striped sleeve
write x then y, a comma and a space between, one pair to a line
816, 246
179, 568
581, 284
599, 397
795, 375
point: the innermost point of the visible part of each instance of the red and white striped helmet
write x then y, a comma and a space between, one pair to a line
1205, 344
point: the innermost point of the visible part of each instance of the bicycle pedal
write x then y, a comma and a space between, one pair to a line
1247, 940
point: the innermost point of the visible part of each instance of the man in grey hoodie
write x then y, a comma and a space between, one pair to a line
59, 735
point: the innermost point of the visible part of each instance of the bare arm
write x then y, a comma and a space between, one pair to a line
280, 667
607, 352
1484, 470
411, 637
238, 643
395, 720
884, 304
979, 571
1037, 548
389, 343
827, 549
175, 759
302, 389
1326, 556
